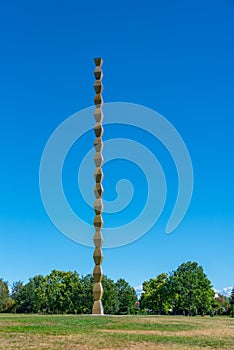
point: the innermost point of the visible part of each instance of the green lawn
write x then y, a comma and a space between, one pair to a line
115, 332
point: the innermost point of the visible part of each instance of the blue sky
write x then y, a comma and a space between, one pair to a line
176, 57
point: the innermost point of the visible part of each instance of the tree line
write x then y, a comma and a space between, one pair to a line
66, 293
185, 291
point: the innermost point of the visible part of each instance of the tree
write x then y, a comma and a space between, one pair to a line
126, 297
220, 305
4, 296
156, 295
118, 297
110, 296
109, 299
61, 292
58, 292
231, 300
26, 297
192, 291
86, 296
16, 295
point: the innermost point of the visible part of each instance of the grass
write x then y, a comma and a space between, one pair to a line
115, 332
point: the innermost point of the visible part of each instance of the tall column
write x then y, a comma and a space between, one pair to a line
98, 190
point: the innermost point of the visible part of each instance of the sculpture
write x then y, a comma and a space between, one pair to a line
98, 190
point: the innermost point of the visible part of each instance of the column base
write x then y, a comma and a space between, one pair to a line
97, 308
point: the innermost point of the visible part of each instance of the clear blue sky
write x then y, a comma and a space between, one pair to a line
176, 57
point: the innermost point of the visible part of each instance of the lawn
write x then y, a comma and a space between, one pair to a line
115, 332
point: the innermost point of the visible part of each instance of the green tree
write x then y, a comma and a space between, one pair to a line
58, 292
26, 297
220, 305
65, 292
191, 289
16, 295
4, 296
86, 296
61, 292
118, 297
231, 300
126, 297
110, 296
156, 295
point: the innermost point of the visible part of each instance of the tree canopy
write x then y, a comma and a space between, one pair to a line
126, 297
4, 296
156, 295
65, 292
191, 290
185, 291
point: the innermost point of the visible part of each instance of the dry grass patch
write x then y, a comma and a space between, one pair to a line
26, 342
24, 332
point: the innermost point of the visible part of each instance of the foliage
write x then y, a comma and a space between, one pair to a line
110, 296
220, 305
26, 297
191, 290
65, 292
185, 291
4, 296
54, 293
156, 295
231, 300
232, 296
86, 296
61, 291
126, 296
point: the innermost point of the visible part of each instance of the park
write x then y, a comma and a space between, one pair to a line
117, 175
54, 312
